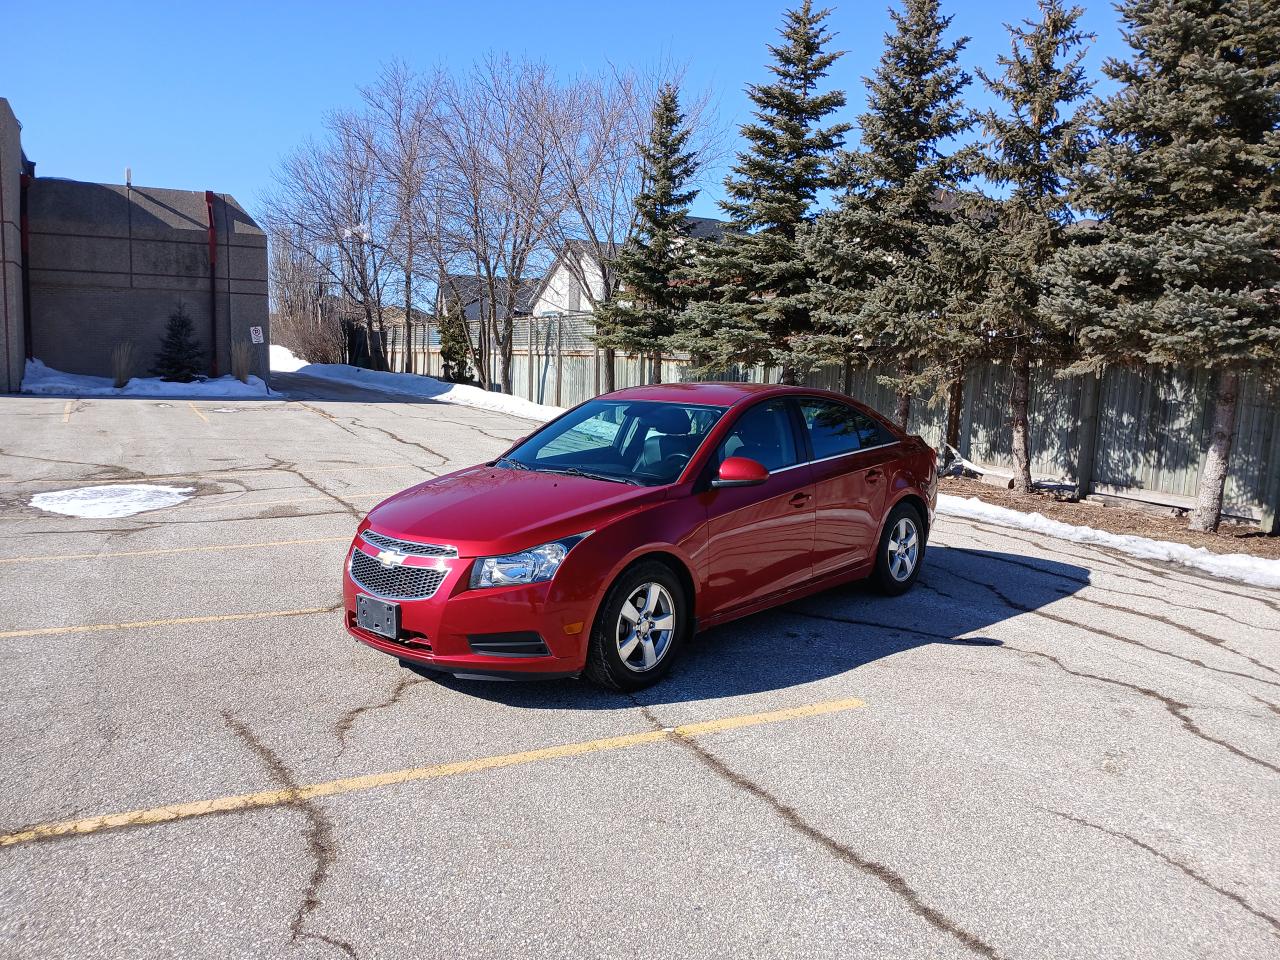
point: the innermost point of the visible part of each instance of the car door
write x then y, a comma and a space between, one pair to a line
850, 454
759, 538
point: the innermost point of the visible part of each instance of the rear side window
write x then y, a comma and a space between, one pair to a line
835, 428
764, 434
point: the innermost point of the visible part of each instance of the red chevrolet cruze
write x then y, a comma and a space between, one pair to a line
599, 544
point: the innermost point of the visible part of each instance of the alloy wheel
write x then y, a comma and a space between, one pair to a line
904, 549
645, 627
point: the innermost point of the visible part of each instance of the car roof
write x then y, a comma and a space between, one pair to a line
718, 394
730, 393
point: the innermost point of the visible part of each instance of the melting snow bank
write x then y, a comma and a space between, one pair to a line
282, 359
38, 378
413, 385
1257, 571
110, 500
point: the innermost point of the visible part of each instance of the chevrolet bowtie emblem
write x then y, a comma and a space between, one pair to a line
389, 558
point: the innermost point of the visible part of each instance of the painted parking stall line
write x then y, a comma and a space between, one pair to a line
375, 781
170, 622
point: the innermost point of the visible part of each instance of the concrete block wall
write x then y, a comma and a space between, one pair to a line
110, 263
12, 343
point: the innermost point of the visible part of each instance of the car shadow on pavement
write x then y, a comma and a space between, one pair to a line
960, 593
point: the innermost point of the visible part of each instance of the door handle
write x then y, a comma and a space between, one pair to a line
874, 475
798, 499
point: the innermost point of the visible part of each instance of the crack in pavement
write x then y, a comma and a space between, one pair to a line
331, 418
348, 719
1175, 707
398, 439
1176, 864
897, 628
1126, 562
319, 836
1066, 621
292, 468
1086, 581
896, 883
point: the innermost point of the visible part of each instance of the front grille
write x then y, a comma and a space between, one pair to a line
409, 547
395, 582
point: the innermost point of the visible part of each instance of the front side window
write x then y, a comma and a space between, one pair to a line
762, 434
835, 428
646, 442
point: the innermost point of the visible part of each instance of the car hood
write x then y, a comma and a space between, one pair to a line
485, 511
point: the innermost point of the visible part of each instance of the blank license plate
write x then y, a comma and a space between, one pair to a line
378, 616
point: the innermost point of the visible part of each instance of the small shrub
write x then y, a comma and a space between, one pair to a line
241, 360
181, 358
122, 363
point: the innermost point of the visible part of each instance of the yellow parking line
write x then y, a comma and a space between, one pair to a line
196, 410
168, 550
330, 788
215, 475
174, 621
66, 410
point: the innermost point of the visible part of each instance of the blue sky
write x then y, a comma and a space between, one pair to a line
212, 96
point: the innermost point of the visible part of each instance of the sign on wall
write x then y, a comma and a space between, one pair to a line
255, 334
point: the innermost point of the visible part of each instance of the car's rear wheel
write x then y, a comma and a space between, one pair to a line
641, 625
900, 552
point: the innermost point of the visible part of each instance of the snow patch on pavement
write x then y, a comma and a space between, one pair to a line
110, 500
282, 359
1257, 571
429, 388
38, 378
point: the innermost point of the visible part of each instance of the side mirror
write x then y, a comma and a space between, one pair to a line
740, 472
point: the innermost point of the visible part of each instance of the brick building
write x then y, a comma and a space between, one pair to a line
84, 266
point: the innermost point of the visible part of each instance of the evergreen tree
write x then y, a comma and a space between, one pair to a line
455, 347
885, 256
1038, 135
643, 316
181, 358
755, 282
1187, 185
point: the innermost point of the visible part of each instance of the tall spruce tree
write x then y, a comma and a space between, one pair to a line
643, 315
755, 282
885, 255
1187, 185
1036, 137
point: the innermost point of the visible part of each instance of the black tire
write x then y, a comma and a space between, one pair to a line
605, 663
890, 576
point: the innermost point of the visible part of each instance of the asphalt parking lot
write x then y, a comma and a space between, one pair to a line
1044, 751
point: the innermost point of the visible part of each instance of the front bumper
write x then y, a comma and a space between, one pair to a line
439, 632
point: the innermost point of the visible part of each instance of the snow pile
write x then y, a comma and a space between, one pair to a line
413, 385
282, 359
1257, 571
110, 500
38, 378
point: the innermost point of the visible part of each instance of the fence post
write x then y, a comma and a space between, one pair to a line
965, 440
559, 354
596, 368
1087, 454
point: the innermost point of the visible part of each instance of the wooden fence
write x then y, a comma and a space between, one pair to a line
1139, 434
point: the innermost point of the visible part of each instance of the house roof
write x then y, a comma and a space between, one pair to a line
465, 290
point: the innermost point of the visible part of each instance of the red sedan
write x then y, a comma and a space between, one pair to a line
599, 544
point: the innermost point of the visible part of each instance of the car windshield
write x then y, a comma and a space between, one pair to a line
643, 442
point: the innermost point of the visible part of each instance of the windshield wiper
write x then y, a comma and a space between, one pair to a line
513, 464
579, 472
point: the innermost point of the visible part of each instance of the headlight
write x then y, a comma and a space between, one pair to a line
528, 566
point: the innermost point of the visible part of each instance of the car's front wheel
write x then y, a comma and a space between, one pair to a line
900, 552
641, 624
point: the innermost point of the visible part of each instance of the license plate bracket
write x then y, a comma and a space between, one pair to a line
378, 616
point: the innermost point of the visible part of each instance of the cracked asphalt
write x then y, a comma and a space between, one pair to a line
1061, 752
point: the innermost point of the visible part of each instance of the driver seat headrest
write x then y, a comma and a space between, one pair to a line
669, 420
